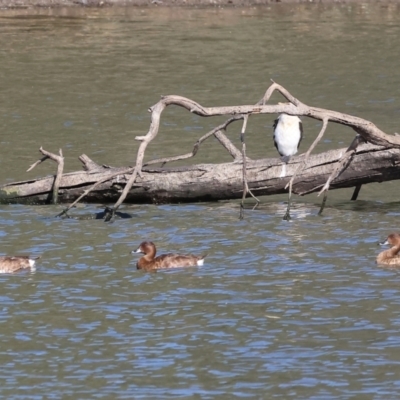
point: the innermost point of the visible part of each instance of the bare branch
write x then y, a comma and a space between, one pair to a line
94, 186
246, 189
307, 155
284, 93
356, 192
37, 163
302, 165
212, 182
60, 167
367, 130
344, 162
89, 164
217, 132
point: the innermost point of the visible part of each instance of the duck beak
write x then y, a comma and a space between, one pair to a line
136, 251
383, 243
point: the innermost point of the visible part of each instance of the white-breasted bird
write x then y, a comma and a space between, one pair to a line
288, 132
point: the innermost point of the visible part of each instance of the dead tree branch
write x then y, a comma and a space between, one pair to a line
344, 162
246, 189
210, 182
218, 132
86, 192
303, 165
366, 130
60, 168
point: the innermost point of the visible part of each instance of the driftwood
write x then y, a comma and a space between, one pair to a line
210, 182
59, 159
359, 163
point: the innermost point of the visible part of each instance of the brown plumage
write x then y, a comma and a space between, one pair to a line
391, 256
15, 263
150, 262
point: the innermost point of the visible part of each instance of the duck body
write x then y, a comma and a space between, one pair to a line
391, 256
9, 264
150, 262
288, 133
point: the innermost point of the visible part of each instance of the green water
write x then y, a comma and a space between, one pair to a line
279, 310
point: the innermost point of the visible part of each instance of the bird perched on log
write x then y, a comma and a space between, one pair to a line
288, 132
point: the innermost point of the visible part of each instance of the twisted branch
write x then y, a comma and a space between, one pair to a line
365, 128
303, 164
60, 168
344, 162
246, 189
94, 186
218, 132
367, 131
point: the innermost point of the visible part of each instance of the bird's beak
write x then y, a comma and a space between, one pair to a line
383, 243
136, 251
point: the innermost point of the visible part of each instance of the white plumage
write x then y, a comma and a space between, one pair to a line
288, 132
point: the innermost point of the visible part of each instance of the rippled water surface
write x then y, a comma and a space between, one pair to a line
280, 309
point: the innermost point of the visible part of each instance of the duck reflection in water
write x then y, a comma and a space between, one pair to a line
10, 264
391, 256
150, 262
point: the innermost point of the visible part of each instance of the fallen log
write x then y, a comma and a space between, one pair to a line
366, 132
360, 163
209, 182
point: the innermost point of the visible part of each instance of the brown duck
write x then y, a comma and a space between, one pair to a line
150, 262
9, 264
391, 256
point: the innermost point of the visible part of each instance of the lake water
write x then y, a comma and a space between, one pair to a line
291, 310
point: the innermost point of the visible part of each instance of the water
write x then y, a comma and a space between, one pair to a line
280, 309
